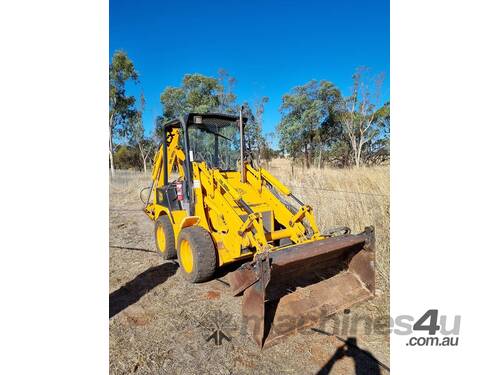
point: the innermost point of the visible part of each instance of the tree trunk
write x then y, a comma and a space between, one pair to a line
354, 149
357, 157
144, 156
111, 162
358, 153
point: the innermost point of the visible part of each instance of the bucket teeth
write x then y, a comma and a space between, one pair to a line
253, 311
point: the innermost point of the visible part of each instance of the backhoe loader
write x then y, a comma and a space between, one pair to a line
212, 207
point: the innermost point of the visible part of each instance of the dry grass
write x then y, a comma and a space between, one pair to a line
345, 197
153, 335
125, 187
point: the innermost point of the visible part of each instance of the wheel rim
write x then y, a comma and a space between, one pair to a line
186, 256
160, 237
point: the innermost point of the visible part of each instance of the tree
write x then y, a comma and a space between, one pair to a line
377, 149
321, 125
127, 157
225, 95
308, 118
198, 93
255, 141
360, 117
267, 152
138, 138
121, 106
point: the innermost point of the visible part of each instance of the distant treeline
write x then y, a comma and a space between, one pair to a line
319, 126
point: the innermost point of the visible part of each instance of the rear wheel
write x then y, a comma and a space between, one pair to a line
196, 254
164, 238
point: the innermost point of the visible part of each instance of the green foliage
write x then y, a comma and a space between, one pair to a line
225, 95
121, 106
255, 141
127, 157
377, 149
136, 122
365, 125
138, 139
198, 93
319, 125
267, 153
309, 119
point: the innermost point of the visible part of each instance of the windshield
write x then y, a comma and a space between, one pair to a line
218, 146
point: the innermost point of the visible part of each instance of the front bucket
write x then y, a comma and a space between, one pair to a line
295, 287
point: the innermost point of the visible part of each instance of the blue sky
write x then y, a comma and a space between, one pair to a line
268, 46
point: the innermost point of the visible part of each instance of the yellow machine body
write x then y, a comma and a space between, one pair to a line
234, 231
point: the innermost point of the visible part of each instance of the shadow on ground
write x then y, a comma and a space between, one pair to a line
132, 248
132, 291
364, 362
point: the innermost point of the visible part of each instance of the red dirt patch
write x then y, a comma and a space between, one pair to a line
212, 294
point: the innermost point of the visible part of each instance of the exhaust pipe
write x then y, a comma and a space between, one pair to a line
242, 149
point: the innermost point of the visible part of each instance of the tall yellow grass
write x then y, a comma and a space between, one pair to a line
345, 197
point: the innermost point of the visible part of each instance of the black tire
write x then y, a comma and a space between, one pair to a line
202, 249
166, 248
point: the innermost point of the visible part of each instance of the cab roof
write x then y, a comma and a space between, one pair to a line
204, 119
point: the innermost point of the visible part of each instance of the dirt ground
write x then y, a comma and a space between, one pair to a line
161, 324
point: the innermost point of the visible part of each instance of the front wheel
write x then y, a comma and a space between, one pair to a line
196, 254
164, 238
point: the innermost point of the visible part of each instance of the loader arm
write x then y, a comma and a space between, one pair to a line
223, 198
262, 180
237, 222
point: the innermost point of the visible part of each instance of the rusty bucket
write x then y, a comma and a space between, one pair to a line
295, 287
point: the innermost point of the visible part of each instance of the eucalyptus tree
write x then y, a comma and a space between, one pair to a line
362, 118
121, 106
138, 138
308, 117
256, 143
